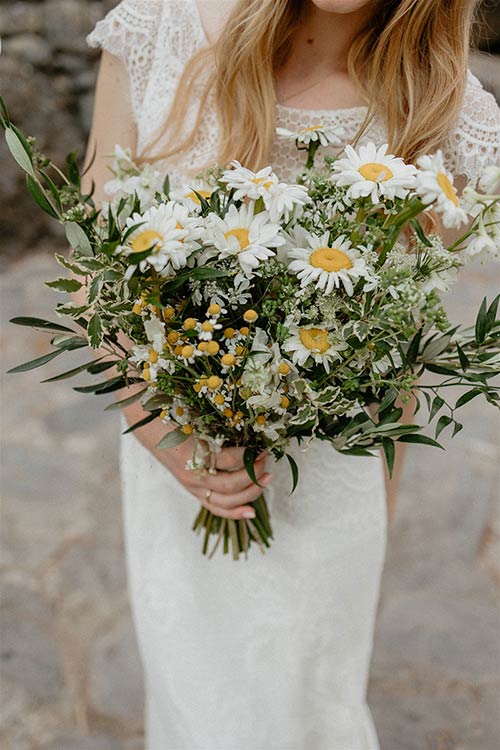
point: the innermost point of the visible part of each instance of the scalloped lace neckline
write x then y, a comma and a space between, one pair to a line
283, 108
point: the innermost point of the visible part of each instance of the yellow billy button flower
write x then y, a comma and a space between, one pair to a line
189, 324
214, 309
203, 346
228, 413
283, 368
212, 347
238, 416
153, 356
187, 351
207, 326
179, 411
228, 360
314, 339
244, 330
137, 308
285, 402
163, 413
214, 382
229, 333
178, 350
219, 399
240, 350
197, 387
250, 316
261, 420
168, 313
173, 337
187, 429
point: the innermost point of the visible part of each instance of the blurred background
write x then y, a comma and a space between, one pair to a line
70, 673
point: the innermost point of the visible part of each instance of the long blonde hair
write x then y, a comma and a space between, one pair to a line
409, 63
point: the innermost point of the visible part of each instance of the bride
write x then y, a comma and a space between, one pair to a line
271, 653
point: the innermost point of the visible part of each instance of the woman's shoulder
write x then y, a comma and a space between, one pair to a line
474, 142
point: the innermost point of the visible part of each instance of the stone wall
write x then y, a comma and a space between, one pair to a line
47, 77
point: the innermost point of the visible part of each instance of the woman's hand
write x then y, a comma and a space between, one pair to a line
226, 493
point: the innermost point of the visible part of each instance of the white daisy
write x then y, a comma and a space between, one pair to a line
162, 233
248, 184
311, 342
489, 182
246, 237
371, 171
435, 185
328, 265
325, 134
189, 194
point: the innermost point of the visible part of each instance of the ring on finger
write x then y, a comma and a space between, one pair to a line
208, 495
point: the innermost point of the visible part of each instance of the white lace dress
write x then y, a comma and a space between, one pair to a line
271, 653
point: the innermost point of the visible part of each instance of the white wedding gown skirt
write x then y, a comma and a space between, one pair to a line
269, 653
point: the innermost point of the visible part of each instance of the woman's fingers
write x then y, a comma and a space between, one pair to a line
230, 506
231, 459
231, 482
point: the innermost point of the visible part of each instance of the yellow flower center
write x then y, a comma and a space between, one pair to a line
375, 172
314, 339
145, 240
447, 188
204, 194
312, 128
330, 259
241, 235
262, 181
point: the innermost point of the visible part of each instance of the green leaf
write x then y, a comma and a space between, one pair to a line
441, 370
77, 238
70, 373
94, 331
389, 452
64, 285
65, 263
53, 189
95, 288
249, 463
464, 361
443, 422
388, 399
141, 422
492, 313
171, 439
33, 363
69, 343
457, 427
295, 471
481, 323
39, 323
421, 439
99, 387
204, 273
166, 185
19, 152
412, 351
466, 397
72, 166
436, 405
99, 367
40, 198
125, 402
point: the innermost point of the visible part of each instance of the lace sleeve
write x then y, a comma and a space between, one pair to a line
129, 32
475, 141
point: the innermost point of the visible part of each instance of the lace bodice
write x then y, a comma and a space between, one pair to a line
155, 38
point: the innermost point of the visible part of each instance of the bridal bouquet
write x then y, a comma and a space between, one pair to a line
249, 311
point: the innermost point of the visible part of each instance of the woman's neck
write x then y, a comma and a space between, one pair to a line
315, 71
